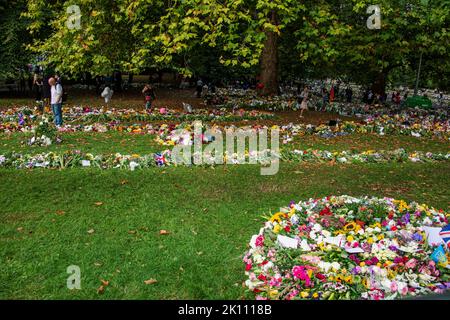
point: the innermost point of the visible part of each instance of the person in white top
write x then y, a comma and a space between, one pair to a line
107, 94
56, 91
304, 104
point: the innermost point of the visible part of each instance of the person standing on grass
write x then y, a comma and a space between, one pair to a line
56, 93
304, 104
37, 87
107, 95
149, 95
332, 94
199, 88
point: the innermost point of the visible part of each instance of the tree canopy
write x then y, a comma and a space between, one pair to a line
268, 37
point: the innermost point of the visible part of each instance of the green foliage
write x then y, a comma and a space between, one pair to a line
13, 37
325, 37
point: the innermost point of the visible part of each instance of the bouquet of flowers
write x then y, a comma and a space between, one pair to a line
44, 134
341, 247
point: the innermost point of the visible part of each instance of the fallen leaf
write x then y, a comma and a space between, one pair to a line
150, 281
132, 231
101, 289
20, 229
105, 282
98, 203
123, 182
97, 264
60, 212
164, 232
91, 231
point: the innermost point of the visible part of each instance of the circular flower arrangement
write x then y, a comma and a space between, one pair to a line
349, 248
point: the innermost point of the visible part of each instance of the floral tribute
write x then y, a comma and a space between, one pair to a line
76, 158
44, 134
341, 247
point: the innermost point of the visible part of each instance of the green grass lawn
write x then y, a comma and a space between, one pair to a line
210, 214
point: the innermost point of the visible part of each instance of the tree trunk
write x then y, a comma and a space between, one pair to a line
269, 61
379, 85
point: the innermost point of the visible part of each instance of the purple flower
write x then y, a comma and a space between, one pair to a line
393, 248
406, 218
417, 237
398, 260
356, 270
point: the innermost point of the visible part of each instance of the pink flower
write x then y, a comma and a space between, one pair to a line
411, 264
275, 282
394, 286
402, 288
259, 241
299, 272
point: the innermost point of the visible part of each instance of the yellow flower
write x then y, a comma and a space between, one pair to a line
291, 212
276, 217
370, 240
309, 272
315, 295
348, 279
277, 228
273, 294
304, 294
362, 264
350, 238
350, 226
380, 237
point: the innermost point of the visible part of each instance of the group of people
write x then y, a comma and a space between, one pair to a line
148, 92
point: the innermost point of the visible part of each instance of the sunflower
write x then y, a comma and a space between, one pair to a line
277, 217
350, 226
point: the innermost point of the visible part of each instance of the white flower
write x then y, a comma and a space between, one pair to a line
325, 266
326, 233
268, 266
258, 258
317, 227
336, 266
133, 165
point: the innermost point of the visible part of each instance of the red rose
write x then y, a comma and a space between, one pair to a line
262, 277
325, 212
248, 267
320, 276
